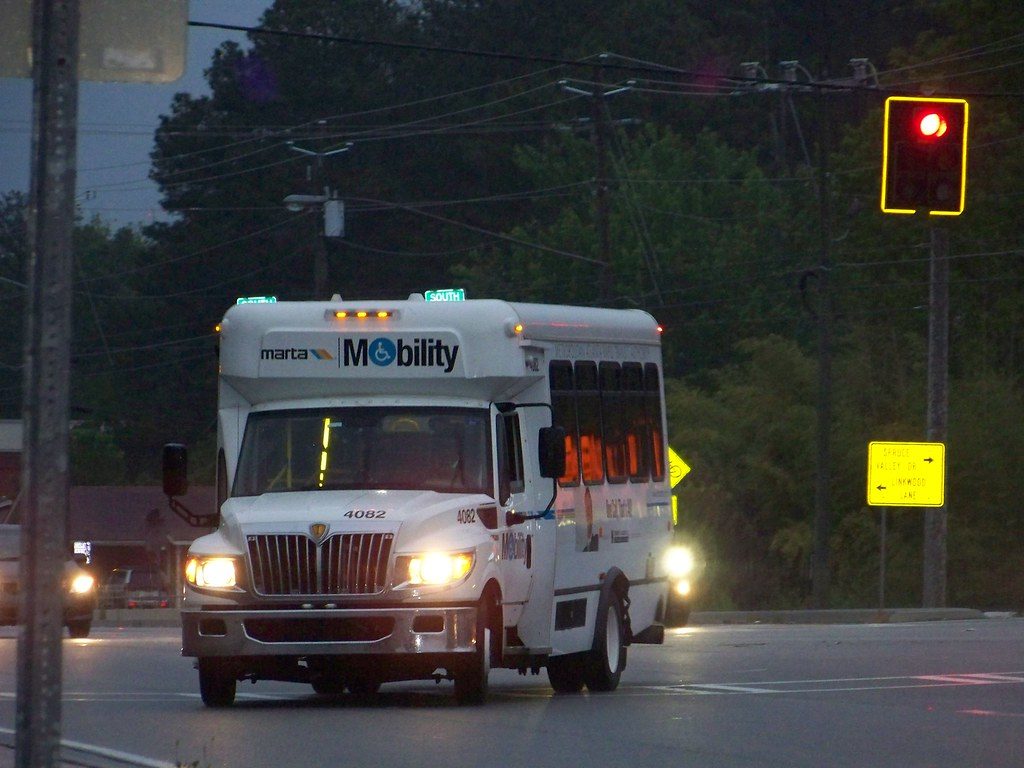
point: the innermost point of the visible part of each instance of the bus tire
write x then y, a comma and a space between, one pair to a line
79, 628
471, 679
364, 685
565, 673
328, 685
216, 683
607, 659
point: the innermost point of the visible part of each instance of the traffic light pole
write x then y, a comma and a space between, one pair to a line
935, 518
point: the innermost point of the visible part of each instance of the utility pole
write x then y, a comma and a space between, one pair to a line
821, 572
602, 214
315, 174
823, 316
935, 518
44, 477
601, 197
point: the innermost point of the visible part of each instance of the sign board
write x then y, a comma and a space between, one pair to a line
677, 470
133, 41
256, 300
445, 294
906, 474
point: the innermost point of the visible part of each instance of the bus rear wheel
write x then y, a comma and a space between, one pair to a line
566, 673
608, 657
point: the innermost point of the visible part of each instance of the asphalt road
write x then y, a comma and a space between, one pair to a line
945, 693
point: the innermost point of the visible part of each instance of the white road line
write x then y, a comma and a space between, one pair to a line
113, 754
833, 685
722, 688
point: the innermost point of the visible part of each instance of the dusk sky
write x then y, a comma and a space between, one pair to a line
116, 123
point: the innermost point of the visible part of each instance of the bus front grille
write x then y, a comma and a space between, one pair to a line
342, 564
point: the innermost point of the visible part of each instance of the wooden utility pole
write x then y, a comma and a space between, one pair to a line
44, 477
820, 568
602, 199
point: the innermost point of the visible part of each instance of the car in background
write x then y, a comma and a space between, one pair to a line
135, 587
78, 585
683, 566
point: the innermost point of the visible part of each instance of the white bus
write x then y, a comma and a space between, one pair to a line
426, 490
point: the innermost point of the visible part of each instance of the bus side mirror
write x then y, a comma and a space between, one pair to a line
175, 469
551, 450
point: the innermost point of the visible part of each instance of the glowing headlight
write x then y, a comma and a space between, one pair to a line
81, 584
211, 572
679, 562
437, 568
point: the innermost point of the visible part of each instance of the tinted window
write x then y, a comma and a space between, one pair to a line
588, 409
563, 405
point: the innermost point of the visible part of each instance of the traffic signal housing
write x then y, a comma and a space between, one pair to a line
924, 155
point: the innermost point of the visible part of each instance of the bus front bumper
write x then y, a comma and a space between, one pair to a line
329, 631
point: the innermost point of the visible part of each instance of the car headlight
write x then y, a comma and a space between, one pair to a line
679, 562
82, 584
433, 568
211, 572
682, 587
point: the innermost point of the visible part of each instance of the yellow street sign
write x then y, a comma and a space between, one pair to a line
677, 468
906, 474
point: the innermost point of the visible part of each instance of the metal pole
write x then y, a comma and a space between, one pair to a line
935, 518
320, 249
881, 562
44, 475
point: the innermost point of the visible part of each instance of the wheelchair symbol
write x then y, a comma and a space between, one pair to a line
382, 352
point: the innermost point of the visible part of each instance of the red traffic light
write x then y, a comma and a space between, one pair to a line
932, 125
924, 155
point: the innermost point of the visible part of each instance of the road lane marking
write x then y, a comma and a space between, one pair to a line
835, 685
989, 713
722, 688
113, 754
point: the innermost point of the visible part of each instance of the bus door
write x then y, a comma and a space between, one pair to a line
515, 542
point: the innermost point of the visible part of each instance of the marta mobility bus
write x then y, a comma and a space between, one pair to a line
415, 490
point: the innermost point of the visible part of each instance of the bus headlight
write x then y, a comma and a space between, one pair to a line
211, 572
82, 584
433, 568
679, 562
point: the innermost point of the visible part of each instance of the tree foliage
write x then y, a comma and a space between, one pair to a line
728, 202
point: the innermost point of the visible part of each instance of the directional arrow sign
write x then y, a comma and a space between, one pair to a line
677, 468
906, 474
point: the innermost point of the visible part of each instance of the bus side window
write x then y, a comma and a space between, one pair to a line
510, 456
635, 421
588, 407
563, 406
656, 440
613, 416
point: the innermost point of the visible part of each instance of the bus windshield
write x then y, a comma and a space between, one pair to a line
385, 448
